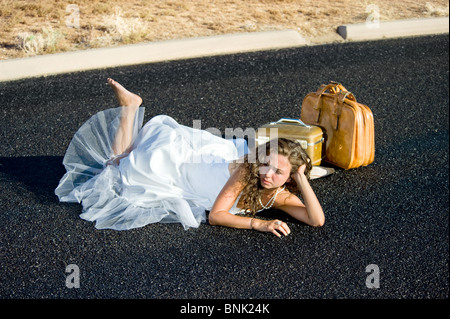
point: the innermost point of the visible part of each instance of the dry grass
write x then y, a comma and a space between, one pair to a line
48, 26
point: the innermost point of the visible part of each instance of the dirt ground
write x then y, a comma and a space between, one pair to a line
48, 26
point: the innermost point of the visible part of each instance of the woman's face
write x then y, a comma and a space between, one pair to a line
275, 171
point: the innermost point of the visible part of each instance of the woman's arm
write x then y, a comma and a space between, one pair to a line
311, 211
220, 215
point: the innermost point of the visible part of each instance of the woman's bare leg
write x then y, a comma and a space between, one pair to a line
130, 103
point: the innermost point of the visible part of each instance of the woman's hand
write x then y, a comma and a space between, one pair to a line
276, 227
299, 173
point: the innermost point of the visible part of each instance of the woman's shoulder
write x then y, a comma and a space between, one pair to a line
284, 197
237, 168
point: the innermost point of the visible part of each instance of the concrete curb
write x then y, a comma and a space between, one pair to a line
205, 46
146, 53
394, 29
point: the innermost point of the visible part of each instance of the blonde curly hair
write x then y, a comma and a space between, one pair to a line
253, 189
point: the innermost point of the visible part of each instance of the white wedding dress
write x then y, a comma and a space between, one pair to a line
172, 174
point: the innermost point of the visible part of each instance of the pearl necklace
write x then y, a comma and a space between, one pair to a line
272, 200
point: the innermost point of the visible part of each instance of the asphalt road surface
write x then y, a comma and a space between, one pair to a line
387, 224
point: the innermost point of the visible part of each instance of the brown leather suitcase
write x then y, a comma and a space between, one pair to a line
310, 137
348, 125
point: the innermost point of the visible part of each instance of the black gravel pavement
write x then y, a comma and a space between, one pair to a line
393, 213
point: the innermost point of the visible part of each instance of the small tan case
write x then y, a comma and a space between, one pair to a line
309, 136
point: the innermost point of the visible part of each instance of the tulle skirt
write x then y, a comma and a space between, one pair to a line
172, 174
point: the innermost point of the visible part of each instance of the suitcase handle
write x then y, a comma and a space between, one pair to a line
334, 87
289, 120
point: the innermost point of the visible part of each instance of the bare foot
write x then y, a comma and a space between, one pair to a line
124, 97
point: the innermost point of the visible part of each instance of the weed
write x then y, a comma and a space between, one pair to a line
46, 41
125, 30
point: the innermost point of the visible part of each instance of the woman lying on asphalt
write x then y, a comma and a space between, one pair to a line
128, 176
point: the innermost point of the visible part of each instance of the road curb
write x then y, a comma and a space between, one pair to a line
146, 53
52, 64
394, 29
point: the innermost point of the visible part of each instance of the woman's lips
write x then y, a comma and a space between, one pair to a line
266, 182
